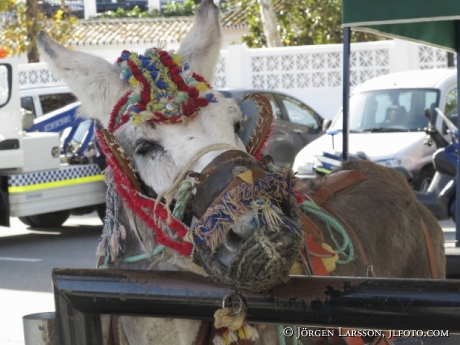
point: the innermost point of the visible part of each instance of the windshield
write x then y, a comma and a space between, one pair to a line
400, 110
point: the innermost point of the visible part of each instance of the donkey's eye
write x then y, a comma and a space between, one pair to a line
146, 147
237, 127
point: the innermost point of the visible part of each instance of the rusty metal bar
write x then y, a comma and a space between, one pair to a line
82, 294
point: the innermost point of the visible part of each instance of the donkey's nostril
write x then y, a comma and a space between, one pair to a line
238, 233
232, 241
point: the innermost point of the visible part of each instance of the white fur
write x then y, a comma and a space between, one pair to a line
98, 86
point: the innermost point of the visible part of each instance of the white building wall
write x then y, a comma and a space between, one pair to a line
314, 73
311, 73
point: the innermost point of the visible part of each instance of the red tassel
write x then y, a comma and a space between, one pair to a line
193, 93
138, 205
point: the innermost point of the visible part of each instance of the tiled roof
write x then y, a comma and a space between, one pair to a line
117, 31
131, 31
234, 18
144, 31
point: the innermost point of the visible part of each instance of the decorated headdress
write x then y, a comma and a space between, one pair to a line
163, 89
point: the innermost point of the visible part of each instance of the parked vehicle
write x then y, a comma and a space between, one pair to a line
45, 99
108, 5
295, 124
70, 7
440, 197
38, 184
387, 121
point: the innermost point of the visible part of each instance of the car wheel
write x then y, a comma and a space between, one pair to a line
50, 220
101, 212
26, 221
424, 180
453, 209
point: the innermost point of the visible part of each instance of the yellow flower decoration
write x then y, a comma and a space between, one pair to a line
201, 87
177, 59
136, 118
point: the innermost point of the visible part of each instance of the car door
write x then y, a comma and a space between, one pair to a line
302, 122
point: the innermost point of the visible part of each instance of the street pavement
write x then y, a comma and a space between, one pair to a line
27, 258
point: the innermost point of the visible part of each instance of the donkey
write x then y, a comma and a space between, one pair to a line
184, 194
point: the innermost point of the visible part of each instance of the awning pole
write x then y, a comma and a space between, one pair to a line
346, 91
457, 204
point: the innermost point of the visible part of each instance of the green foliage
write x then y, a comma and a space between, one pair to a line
301, 22
6, 5
20, 31
173, 9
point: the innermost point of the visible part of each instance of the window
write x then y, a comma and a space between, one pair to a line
393, 110
52, 102
451, 102
275, 108
27, 103
451, 107
299, 113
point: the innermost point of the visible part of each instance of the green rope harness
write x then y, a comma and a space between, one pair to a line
282, 335
347, 250
140, 257
158, 249
184, 194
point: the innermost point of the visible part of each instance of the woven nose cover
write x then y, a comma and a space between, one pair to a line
163, 89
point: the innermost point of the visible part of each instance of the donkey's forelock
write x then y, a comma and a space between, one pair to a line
97, 83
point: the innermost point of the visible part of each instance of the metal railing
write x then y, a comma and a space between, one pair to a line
81, 295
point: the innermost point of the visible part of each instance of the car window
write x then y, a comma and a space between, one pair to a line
451, 102
451, 110
393, 110
275, 108
27, 103
55, 101
299, 113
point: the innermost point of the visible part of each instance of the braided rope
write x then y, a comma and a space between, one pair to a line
312, 208
272, 167
184, 194
346, 250
158, 249
281, 335
168, 194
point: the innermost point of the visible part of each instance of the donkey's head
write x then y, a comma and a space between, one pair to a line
180, 140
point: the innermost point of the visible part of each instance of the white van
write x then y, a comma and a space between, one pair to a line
387, 117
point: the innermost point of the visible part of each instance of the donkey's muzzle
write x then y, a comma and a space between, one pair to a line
247, 235
221, 174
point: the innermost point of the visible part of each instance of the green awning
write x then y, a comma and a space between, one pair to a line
431, 22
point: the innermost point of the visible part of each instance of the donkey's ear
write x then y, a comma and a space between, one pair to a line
200, 47
94, 81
